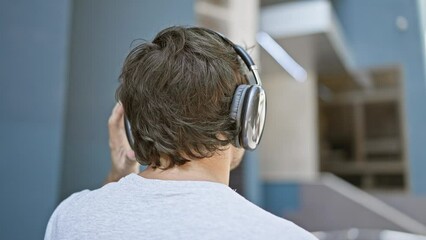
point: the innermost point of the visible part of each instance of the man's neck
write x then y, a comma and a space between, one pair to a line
214, 169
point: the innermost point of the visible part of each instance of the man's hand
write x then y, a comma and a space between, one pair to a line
122, 156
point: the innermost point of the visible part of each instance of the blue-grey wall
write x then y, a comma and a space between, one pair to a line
369, 27
33, 63
102, 33
59, 63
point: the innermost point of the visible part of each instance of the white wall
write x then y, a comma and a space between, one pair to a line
289, 148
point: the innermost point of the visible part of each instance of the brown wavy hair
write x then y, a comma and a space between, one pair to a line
176, 92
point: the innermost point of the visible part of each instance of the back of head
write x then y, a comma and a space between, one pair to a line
177, 92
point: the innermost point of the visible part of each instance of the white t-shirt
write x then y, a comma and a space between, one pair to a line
140, 208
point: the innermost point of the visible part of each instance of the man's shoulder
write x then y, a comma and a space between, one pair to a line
70, 201
61, 210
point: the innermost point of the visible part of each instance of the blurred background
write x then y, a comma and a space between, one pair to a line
343, 152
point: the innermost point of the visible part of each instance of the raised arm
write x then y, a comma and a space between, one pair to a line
123, 161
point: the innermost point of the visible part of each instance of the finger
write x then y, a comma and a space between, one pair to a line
117, 133
119, 110
122, 131
120, 113
114, 119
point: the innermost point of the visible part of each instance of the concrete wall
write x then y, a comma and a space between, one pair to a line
33, 65
371, 32
102, 34
413, 206
322, 209
331, 204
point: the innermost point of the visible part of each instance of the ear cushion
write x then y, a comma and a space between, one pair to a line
237, 106
237, 101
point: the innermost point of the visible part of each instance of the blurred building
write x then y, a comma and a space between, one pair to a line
346, 87
346, 84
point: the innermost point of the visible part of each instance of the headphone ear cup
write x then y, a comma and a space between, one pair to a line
252, 117
236, 109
